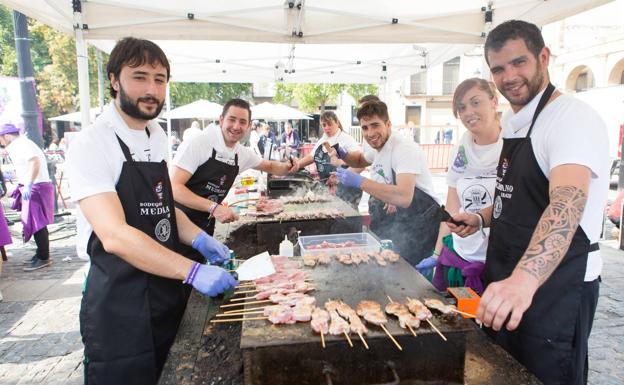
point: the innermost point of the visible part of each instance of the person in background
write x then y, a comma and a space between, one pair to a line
290, 140
254, 136
136, 289
34, 195
335, 136
471, 180
266, 136
402, 204
543, 262
192, 131
5, 234
205, 167
448, 134
415, 131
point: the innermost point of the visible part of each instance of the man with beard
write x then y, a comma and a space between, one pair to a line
543, 263
134, 295
401, 206
206, 166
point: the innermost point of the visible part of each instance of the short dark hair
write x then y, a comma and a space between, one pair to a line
133, 52
373, 108
368, 98
330, 116
240, 103
513, 30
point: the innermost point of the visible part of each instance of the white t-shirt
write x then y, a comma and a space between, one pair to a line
402, 156
95, 159
194, 152
569, 131
21, 150
345, 141
472, 172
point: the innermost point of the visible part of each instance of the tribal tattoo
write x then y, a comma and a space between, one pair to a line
554, 232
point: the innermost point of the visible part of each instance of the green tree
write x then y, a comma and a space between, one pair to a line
356, 91
184, 93
312, 97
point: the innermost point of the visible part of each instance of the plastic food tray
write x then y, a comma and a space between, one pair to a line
357, 243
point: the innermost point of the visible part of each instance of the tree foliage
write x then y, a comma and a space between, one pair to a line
184, 93
312, 97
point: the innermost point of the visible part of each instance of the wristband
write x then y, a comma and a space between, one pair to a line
212, 208
481, 222
436, 253
191, 274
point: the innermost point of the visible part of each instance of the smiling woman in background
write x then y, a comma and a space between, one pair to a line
471, 180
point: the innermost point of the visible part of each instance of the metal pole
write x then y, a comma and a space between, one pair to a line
100, 72
168, 97
83, 64
27, 81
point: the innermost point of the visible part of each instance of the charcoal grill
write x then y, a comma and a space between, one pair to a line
292, 354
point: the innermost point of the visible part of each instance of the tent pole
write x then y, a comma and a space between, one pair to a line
168, 101
100, 72
83, 65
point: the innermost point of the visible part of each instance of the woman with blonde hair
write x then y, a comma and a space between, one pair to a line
334, 135
471, 181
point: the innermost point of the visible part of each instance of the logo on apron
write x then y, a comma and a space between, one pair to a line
158, 190
498, 207
476, 197
163, 230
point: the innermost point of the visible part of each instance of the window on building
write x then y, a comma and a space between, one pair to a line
584, 81
450, 76
418, 83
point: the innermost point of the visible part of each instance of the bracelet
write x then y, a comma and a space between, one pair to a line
212, 208
481, 222
191, 274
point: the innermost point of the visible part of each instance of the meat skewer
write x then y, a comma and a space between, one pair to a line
337, 324
406, 319
319, 323
357, 326
422, 313
371, 312
443, 308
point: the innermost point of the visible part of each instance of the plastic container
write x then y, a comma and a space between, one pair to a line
338, 243
286, 247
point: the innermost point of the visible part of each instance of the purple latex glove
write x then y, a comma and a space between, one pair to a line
349, 178
425, 267
210, 280
27, 191
216, 252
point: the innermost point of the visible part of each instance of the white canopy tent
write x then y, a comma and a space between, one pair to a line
76, 116
199, 109
295, 26
270, 111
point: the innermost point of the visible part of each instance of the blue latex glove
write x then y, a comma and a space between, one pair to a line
27, 191
341, 152
349, 178
210, 280
425, 267
216, 252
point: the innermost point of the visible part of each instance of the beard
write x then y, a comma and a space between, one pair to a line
132, 109
533, 85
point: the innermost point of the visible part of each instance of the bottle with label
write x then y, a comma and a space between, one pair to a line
286, 247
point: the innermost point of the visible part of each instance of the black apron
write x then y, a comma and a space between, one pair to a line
413, 230
351, 195
129, 318
545, 337
212, 180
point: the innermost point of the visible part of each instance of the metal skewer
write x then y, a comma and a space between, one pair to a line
238, 319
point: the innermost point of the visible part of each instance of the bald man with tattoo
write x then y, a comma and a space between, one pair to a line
543, 262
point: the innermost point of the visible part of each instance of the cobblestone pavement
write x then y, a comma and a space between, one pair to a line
40, 339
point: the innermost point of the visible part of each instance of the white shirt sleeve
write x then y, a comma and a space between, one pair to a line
577, 139
406, 158
247, 158
89, 171
189, 153
452, 176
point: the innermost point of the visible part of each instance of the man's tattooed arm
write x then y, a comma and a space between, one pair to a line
554, 232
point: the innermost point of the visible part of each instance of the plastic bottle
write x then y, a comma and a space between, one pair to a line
286, 247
